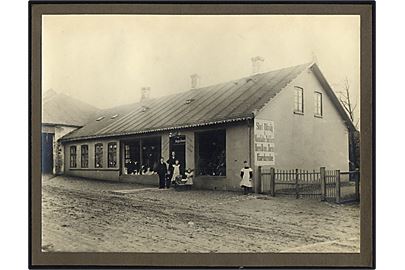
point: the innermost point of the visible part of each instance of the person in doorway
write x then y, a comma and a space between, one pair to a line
161, 170
170, 163
246, 174
176, 171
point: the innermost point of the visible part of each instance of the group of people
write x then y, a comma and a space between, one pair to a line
171, 172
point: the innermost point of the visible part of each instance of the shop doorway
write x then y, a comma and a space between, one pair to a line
178, 146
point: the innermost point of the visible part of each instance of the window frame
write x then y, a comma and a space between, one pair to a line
98, 155
112, 154
73, 156
298, 106
198, 155
84, 156
318, 105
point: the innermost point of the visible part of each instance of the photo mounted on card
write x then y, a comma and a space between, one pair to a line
201, 135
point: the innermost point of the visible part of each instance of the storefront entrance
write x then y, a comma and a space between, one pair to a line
178, 146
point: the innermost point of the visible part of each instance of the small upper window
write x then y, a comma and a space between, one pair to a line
298, 99
318, 104
188, 101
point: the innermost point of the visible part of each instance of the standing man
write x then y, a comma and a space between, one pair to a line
161, 171
170, 162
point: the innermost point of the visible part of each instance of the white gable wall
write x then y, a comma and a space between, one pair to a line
305, 141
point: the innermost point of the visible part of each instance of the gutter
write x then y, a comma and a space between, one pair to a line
155, 130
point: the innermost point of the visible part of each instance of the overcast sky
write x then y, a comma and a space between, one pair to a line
105, 60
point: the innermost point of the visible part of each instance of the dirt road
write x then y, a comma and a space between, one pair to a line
84, 215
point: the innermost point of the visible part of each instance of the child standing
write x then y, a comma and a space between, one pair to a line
176, 170
246, 174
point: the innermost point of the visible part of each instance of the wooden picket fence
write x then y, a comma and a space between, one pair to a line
323, 184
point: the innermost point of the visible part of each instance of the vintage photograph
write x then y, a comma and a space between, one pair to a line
200, 133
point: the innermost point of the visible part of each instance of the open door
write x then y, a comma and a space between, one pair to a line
178, 146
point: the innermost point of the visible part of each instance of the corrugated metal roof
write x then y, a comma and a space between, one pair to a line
231, 101
60, 109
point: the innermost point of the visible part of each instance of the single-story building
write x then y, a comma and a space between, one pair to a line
61, 114
287, 118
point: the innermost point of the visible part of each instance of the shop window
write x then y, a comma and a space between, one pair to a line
98, 155
73, 157
211, 153
318, 104
132, 156
112, 155
84, 156
142, 154
150, 153
298, 100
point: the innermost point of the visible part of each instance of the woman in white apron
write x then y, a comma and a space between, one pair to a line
246, 174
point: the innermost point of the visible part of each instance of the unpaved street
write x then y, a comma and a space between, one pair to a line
84, 215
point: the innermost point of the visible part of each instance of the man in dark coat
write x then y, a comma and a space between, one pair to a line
170, 161
161, 170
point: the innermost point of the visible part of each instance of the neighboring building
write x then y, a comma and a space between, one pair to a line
287, 118
61, 114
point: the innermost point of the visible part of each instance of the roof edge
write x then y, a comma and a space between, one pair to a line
238, 119
59, 124
319, 75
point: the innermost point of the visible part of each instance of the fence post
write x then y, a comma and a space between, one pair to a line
272, 182
357, 185
322, 175
296, 184
337, 186
259, 179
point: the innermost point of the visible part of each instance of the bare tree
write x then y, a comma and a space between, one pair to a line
354, 136
347, 103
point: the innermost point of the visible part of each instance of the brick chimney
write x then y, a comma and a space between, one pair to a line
145, 93
195, 81
257, 64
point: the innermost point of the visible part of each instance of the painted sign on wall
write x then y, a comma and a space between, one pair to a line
264, 142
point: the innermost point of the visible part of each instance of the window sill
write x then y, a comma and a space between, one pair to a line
299, 113
216, 177
318, 116
94, 169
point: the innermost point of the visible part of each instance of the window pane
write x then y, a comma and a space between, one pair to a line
151, 152
84, 156
318, 103
112, 155
73, 156
98, 155
299, 100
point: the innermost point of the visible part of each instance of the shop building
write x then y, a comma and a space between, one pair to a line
287, 118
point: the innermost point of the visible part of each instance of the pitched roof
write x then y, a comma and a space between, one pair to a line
226, 102
60, 109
